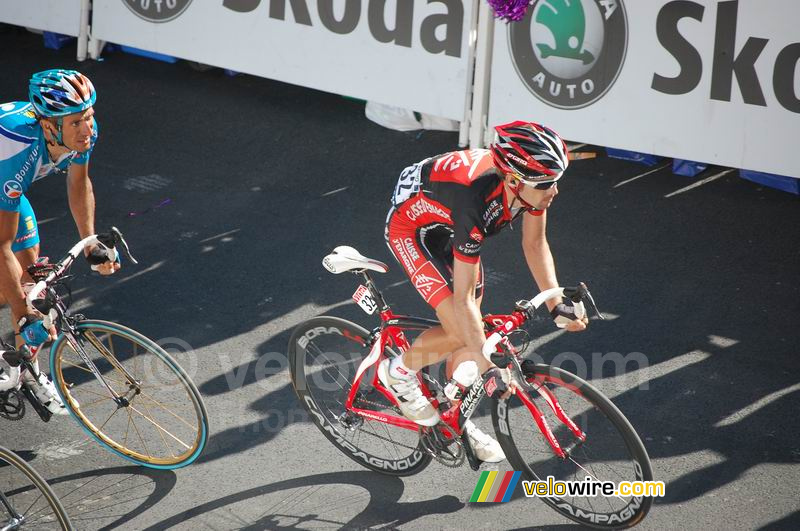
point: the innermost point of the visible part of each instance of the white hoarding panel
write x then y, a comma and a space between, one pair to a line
411, 54
704, 80
59, 16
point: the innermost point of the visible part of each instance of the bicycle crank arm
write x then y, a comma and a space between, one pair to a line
40, 410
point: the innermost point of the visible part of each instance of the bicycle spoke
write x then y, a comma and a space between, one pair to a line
144, 444
109, 418
77, 366
162, 406
94, 402
127, 429
166, 446
154, 423
39, 497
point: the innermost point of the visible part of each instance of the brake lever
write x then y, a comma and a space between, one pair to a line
589, 300
519, 377
123, 244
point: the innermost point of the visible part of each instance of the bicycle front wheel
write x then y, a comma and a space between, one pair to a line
129, 395
611, 452
26, 500
324, 355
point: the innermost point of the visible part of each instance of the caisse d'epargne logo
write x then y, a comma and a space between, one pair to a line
158, 10
568, 53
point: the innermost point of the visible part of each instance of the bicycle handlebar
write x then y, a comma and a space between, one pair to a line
525, 309
108, 240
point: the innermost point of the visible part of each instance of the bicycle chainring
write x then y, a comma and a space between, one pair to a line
12, 407
447, 451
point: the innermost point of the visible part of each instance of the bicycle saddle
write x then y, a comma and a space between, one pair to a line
345, 258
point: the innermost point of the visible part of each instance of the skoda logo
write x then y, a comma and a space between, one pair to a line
157, 10
569, 52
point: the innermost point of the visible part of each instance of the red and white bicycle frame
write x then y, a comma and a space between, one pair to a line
391, 334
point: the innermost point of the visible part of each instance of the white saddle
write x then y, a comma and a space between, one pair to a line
345, 258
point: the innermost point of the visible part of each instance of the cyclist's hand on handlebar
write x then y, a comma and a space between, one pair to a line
564, 317
499, 383
104, 260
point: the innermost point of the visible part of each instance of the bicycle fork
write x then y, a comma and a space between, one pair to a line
16, 518
133, 383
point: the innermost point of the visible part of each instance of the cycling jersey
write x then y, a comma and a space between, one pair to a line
23, 160
444, 208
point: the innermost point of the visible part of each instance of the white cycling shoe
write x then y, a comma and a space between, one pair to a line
483, 445
409, 396
45, 392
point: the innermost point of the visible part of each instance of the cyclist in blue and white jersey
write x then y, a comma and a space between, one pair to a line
53, 132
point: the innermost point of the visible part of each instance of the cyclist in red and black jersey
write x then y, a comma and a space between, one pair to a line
443, 209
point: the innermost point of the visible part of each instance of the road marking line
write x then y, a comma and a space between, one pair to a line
701, 182
335, 191
654, 170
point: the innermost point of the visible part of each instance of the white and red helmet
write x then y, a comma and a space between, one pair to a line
531, 152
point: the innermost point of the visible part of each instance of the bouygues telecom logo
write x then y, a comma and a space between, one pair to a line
569, 52
157, 10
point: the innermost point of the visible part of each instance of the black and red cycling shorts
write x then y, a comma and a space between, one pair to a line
426, 254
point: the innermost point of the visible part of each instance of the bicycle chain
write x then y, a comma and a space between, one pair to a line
10, 410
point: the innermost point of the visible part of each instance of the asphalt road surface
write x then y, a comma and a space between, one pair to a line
221, 186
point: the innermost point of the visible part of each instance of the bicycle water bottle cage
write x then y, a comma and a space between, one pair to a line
345, 258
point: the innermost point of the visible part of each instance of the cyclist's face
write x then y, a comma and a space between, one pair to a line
76, 130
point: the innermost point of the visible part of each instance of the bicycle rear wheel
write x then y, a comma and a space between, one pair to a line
162, 422
26, 500
324, 354
612, 451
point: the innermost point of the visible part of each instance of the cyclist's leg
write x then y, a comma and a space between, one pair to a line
25, 245
26, 242
427, 259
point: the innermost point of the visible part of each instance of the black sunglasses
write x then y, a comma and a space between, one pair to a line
544, 186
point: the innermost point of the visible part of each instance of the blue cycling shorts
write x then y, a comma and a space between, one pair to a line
27, 230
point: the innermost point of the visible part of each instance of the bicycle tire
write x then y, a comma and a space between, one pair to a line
601, 408
52, 499
198, 427
332, 428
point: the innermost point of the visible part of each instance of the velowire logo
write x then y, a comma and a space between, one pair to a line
157, 10
569, 52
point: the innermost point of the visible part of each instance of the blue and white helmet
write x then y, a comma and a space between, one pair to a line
55, 93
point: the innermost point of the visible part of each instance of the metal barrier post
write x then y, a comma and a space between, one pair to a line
483, 72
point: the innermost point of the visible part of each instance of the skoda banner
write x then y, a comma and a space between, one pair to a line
704, 80
399, 52
60, 16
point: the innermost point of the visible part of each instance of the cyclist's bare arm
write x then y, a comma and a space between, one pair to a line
540, 260
81, 204
537, 253
81, 198
10, 270
465, 307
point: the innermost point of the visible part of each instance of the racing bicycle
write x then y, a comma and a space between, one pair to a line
124, 390
26, 500
556, 424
